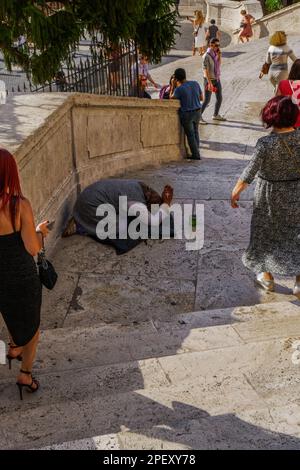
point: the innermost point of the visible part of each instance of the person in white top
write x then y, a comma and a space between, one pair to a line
277, 58
199, 32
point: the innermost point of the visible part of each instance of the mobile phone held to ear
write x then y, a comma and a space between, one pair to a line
50, 225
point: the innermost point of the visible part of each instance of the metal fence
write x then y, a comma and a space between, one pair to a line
105, 71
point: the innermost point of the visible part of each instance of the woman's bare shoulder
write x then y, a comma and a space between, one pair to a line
25, 206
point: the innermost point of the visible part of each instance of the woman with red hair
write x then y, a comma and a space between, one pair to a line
20, 287
275, 226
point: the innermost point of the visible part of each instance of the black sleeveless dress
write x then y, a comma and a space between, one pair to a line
20, 289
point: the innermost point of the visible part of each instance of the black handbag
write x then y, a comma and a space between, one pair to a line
47, 273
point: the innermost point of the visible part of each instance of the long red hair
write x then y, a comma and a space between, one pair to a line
10, 187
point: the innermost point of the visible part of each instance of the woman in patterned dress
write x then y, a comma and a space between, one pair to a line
275, 226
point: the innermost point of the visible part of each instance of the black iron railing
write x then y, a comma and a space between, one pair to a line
105, 71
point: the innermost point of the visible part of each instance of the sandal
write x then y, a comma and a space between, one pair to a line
267, 284
28, 386
11, 358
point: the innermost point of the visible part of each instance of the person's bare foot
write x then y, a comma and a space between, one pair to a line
70, 228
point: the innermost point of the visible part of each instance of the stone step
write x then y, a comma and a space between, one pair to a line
247, 379
242, 431
183, 360
64, 349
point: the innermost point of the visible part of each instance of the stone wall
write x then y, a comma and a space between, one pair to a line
227, 13
187, 7
287, 19
65, 142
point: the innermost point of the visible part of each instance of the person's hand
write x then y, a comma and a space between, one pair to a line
211, 87
167, 194
261, 74
173, 83
235, 197
43, 228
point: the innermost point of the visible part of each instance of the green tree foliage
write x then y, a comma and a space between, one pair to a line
52, 33
273, 5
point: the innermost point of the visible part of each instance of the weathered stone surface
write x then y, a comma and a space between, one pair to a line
100, 138
108, 442
227, 12
156, 258
160, 130
232, 284
289, 16
98, 381
125, 299
232, 226
56, 303
225, 431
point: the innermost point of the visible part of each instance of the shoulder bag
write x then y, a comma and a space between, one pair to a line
265, 68
47, 273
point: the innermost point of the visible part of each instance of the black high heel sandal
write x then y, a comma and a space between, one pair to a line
28, 386
11, 358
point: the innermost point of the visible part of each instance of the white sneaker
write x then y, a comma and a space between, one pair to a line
218, 117
264, 283
296, 290
202, 121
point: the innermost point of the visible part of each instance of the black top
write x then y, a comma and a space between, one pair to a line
20, 289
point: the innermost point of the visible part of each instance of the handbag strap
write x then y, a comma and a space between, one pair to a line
290, 153
43, 249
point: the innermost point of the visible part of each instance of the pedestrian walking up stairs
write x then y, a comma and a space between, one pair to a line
226, 378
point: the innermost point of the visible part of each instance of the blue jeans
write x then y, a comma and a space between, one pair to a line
190, 123
208, 94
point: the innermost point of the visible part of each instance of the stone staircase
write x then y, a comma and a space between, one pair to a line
122, 367
211, 379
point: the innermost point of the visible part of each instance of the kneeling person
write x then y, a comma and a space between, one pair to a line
137, 196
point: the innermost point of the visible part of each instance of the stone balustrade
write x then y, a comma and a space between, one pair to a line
287, 19
64, 142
